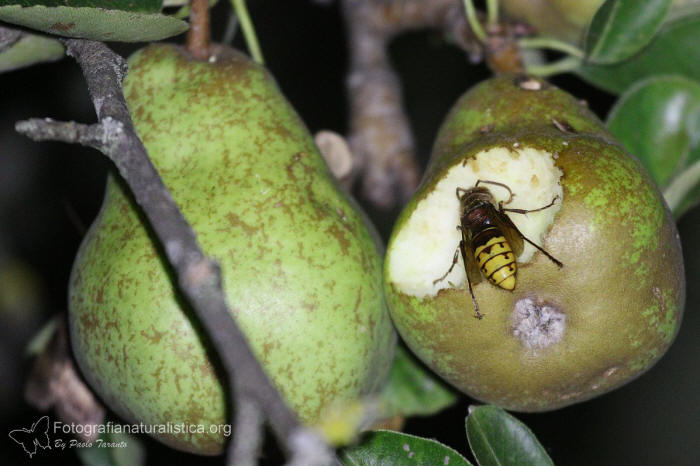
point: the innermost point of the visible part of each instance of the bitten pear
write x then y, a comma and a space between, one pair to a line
301, 269
562, 335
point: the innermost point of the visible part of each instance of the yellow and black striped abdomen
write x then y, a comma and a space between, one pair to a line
495, 258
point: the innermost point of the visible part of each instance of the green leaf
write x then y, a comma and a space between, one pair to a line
680, 8
412, 390
656, 120
113, 449
621, 28
674, 50
683, 192
651, 122
143, 6
387, 448
30, 50
94, 23
498, 439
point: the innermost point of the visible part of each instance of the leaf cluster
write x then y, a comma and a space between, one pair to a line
495, 437
646, 52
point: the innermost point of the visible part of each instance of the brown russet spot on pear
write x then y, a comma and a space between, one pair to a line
246, 174
563, 335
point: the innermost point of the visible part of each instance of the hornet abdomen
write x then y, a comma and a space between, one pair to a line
495, 257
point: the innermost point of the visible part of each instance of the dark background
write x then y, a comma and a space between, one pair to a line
50, 192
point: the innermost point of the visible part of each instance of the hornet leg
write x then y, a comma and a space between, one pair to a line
454, 262
512, 225
463, 249
523, 211
496, 183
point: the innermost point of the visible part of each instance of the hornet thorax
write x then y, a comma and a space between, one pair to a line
476, 206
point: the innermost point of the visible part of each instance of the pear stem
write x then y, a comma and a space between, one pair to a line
251, 39
231, 28
198, 277
199, 34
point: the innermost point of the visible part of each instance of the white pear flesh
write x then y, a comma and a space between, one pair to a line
423, 249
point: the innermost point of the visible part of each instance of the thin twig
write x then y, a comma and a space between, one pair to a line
473, 20
492, 12
198, 277
380, 135
551, 44
563, 65
251, 39
199, 35
231, 28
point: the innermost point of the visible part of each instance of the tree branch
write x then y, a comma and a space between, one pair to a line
247, 424
47, 129
380, 134
198, 277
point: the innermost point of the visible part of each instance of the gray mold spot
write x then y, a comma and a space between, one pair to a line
538, 324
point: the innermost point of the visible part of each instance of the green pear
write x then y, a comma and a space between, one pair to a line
563, 334
301, 269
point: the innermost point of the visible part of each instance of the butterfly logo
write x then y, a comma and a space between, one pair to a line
36, 436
